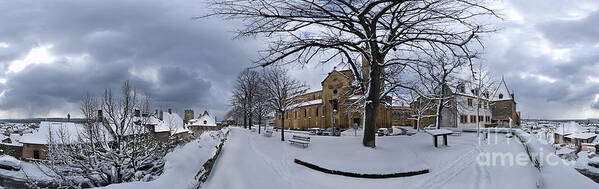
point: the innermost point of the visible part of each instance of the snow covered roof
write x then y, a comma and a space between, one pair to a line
170, 122
502, 92
307, 103
564, 151
582, 135
569, 128
470, 89
204, 120
71, 130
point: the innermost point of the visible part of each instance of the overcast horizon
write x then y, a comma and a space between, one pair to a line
53, 52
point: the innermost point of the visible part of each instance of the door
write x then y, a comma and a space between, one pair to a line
36, 154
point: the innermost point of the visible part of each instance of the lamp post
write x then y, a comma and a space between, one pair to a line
334, 104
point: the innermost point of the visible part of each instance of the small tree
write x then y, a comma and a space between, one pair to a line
279, 89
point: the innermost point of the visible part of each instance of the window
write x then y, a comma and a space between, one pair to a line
335, 91
463, 119
36, 154
500, 96
472, 119
488, 118
316, 111
305, 112
205, 122
480, 119
396, 116
470, 102
479, 104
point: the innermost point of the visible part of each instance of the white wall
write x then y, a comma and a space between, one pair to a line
464, 109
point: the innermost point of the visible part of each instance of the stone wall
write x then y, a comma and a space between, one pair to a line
29, 150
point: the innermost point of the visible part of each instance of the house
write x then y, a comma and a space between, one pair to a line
503, 106
168, 125
35, 144
11, 146
204, 122
575, 137
471, 106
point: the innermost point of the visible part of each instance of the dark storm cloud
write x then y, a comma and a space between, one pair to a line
568, 33
548, 54
185, 63
180, 62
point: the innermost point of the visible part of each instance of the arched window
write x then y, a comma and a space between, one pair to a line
335, 91
500, 96
205, 122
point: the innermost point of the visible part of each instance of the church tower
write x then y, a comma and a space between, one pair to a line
366, 72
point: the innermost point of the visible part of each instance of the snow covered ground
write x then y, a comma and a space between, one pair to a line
249, 160
182, 164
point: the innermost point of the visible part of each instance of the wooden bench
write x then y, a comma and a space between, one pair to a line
302, 140
268, 133
439, 132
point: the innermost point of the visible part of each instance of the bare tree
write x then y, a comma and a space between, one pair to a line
484, 85
279, 87
115, 145
244, 94
421, 107
261, 109
440, 70
386, 33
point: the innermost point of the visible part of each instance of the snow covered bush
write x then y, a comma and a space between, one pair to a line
10, 163
203, 174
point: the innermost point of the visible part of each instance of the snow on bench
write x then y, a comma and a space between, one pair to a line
268, 133
303, 140
439, 132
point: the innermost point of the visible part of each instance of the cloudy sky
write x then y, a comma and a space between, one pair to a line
53, 52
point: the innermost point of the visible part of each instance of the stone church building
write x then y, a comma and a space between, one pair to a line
314, 110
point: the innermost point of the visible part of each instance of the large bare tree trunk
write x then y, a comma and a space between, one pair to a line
371, 107
250, 122
283, 126
245, 118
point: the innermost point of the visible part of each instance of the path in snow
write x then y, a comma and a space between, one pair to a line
252, 161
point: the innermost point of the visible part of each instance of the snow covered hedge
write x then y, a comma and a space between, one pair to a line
184, 163
360, 175
203, 174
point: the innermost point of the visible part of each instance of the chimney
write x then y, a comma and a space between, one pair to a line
136, 113
188, 115
160, 115
100, 116
68, 117
170, 111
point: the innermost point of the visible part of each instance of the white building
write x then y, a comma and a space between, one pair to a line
202, 123
472, 106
